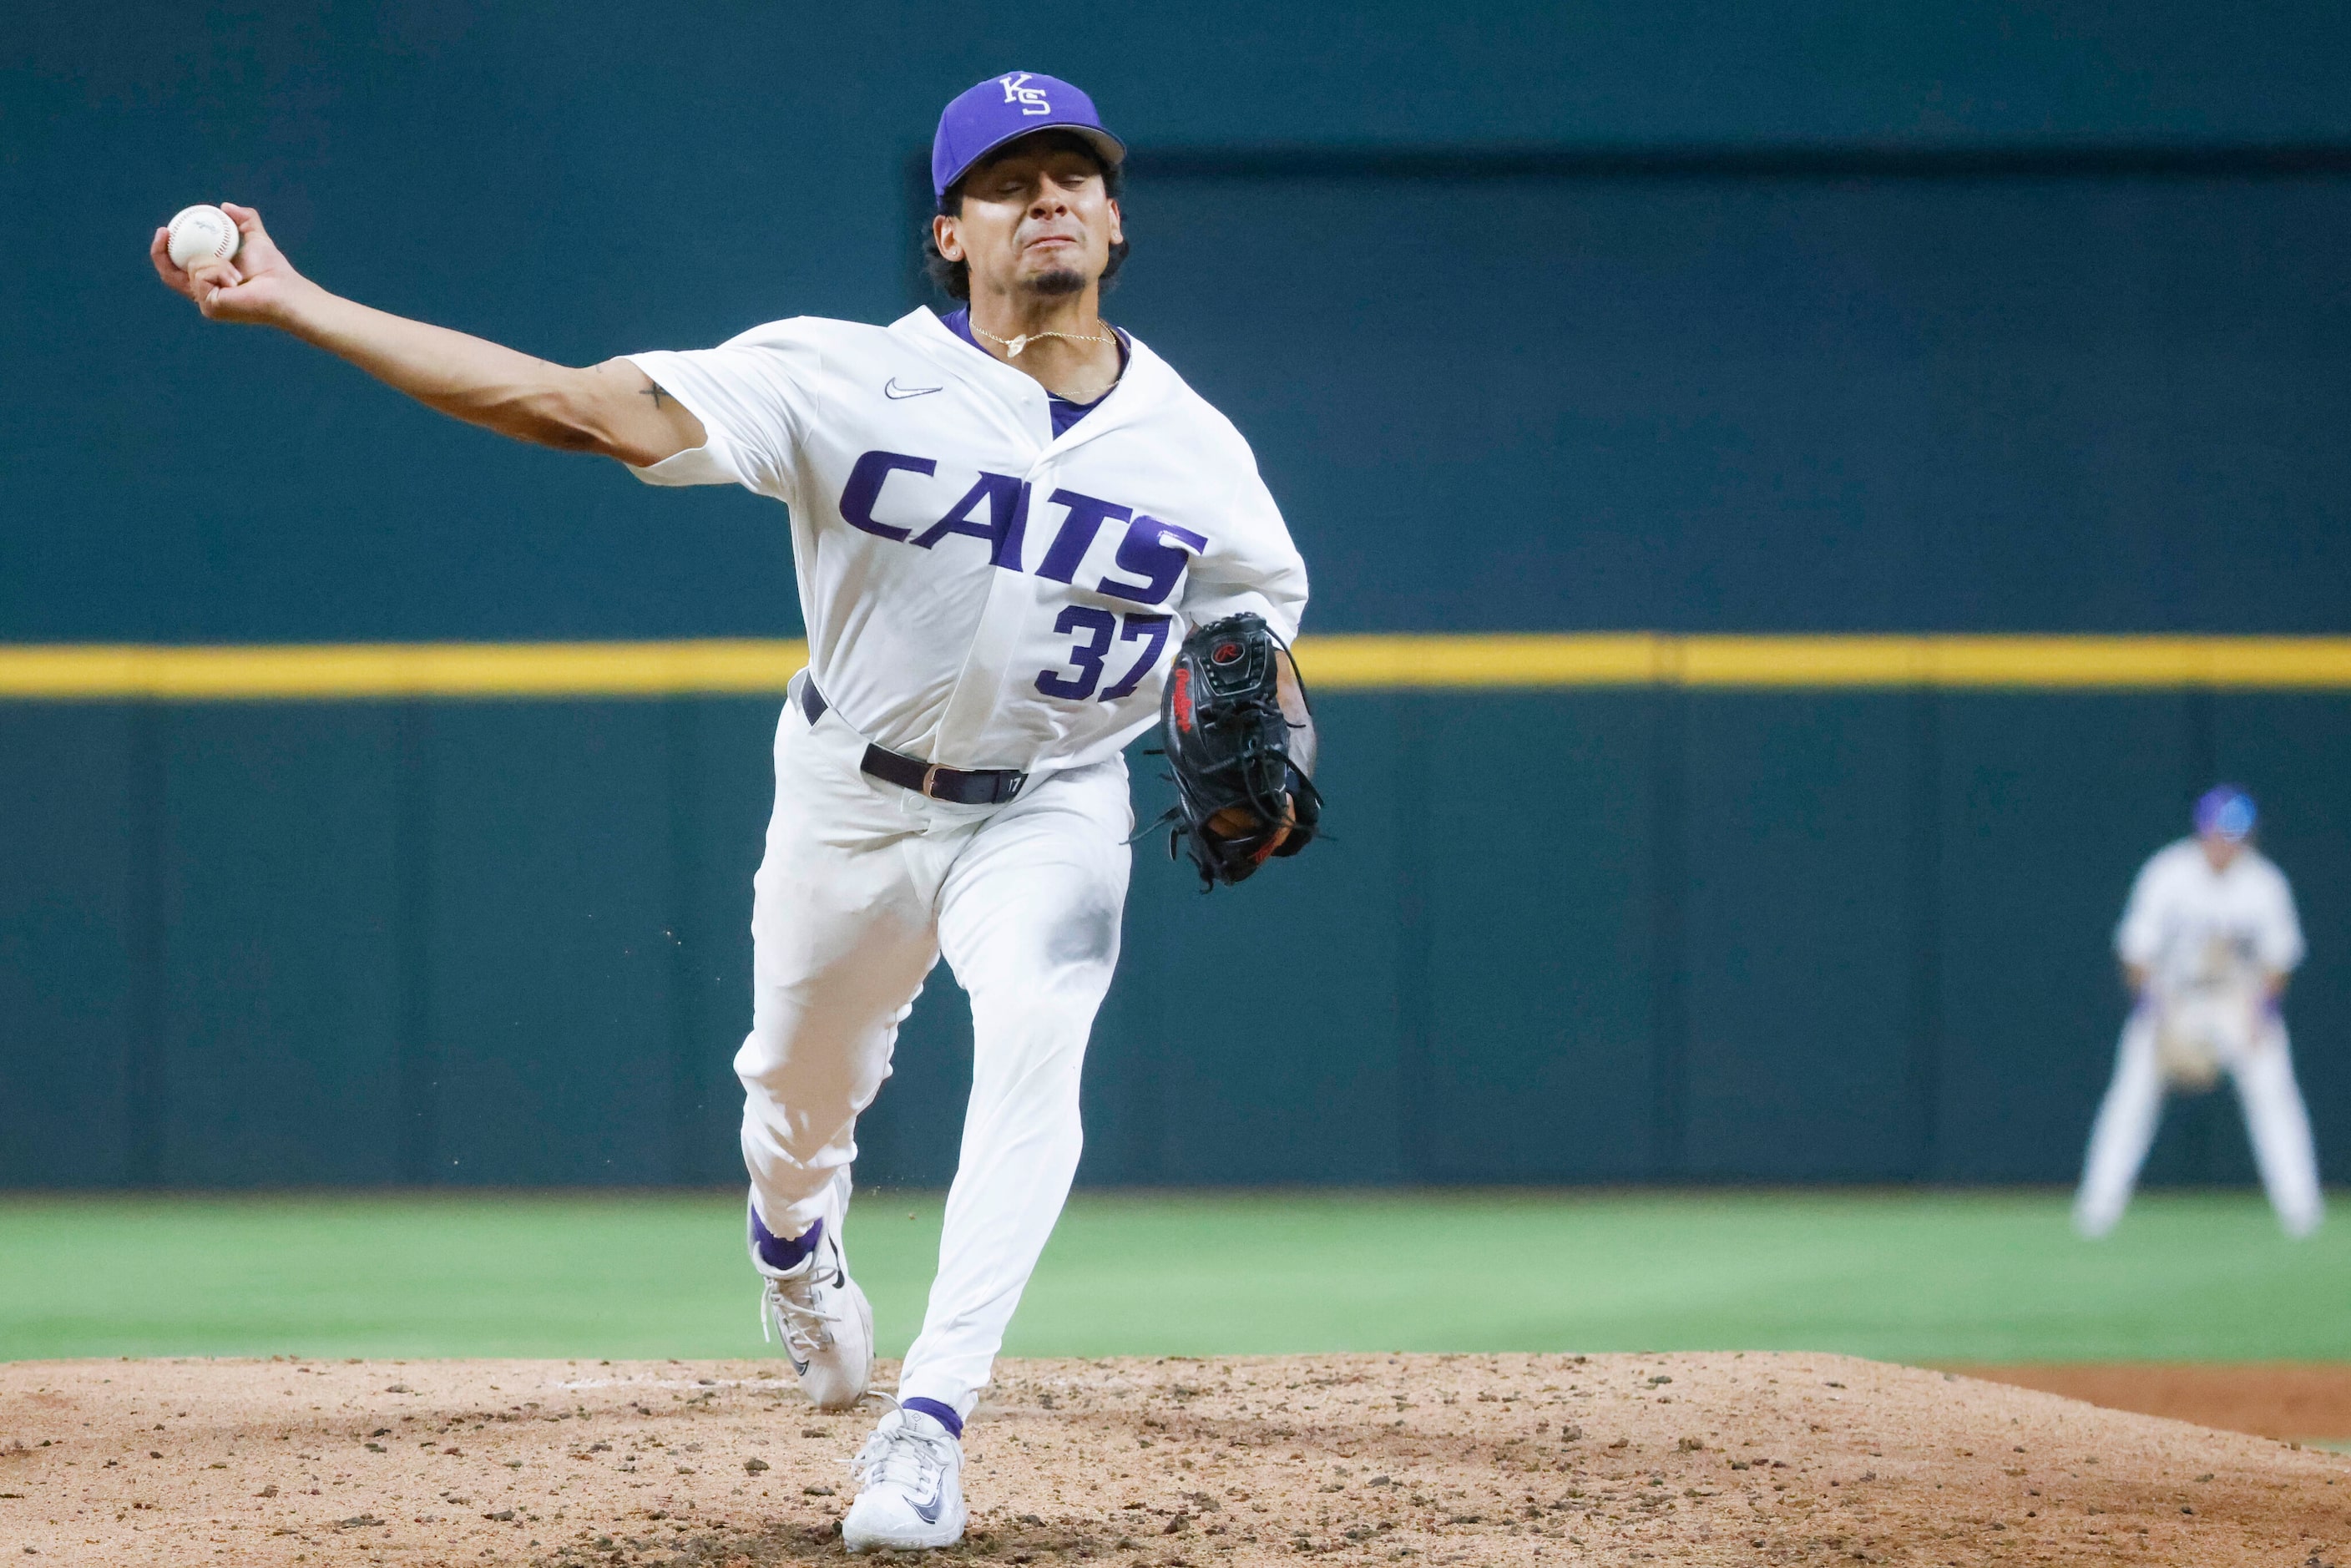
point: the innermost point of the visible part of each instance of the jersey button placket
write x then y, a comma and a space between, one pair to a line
974, 706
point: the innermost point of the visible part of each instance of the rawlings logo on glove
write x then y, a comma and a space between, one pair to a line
1241, 758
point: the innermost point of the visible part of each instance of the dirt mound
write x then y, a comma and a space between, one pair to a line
1482, 1459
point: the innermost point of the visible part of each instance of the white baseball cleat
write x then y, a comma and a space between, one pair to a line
822, 1319
910, 1475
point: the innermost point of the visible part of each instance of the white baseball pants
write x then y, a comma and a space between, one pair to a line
863, 887
2275, 1121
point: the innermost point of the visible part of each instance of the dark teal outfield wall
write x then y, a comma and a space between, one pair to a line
1560, 937
1700, 315
1705, 316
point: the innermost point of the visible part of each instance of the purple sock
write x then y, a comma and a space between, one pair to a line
943, 1414
777, 1253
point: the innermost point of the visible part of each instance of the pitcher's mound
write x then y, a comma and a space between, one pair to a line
1476, 1459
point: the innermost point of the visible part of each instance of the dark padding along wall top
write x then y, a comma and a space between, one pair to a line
581, 180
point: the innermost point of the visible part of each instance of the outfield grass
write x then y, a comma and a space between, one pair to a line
1910, 1277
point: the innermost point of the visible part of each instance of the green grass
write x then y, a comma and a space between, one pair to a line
1910, 1277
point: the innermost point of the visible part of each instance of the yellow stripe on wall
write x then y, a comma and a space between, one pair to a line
297, 672
2019, 664
1499, 659
378, 671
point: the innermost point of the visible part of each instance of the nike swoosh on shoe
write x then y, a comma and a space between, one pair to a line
890, 389
928, 1512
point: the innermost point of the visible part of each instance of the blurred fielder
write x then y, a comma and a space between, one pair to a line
1007, 526
2206, 943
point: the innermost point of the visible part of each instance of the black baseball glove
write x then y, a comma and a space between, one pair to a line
1242, 793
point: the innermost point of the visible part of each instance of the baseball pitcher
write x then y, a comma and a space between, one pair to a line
1007, 523
2205, 942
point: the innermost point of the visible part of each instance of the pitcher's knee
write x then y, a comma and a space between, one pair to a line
1084, 938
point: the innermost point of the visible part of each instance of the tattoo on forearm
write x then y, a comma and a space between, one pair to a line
655, 393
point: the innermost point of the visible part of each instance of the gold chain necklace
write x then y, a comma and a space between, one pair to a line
1012, 346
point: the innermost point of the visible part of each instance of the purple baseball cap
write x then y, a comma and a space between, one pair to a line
1005, 109
2227, 811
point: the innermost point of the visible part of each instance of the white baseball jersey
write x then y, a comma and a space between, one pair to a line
2207, 937
2195, 927
979, 592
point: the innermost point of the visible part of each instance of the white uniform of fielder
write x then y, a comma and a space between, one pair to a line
2210, 942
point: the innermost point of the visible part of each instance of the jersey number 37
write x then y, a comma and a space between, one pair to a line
1098, 630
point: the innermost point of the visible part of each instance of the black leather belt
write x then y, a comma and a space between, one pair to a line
962, 787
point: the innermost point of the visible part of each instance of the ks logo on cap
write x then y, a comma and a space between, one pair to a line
1031, 99
1001, 109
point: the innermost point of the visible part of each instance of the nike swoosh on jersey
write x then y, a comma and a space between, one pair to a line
890, 389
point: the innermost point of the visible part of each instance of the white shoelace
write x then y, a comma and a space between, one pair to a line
903, 1458
789, 1307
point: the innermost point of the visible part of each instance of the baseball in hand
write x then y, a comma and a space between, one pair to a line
200, 234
